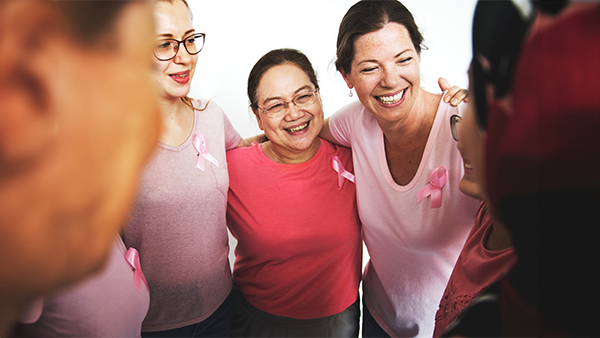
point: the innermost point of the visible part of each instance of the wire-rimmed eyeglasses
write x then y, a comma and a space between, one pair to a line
454, 120
166, 49
278, 109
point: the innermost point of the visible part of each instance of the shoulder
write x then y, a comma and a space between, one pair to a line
353, 109
237, 155
207, 107
331, 150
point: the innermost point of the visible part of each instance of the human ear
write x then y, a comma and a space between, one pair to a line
28, 124
258, 121
345, 76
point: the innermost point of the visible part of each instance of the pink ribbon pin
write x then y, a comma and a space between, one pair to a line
342, 173
133, 258
203, 155
438, 180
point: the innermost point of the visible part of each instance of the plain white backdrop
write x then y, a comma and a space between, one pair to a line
239, 32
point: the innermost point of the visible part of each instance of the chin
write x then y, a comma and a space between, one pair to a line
470, 188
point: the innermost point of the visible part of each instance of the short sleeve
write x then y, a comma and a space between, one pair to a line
232, 137
341, 123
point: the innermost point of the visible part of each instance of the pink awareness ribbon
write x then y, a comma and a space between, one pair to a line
133, 258
438, 180
203, 155
342, 173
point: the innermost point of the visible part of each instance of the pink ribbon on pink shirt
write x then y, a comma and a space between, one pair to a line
133, 258
438, 180
203, 155
342, 173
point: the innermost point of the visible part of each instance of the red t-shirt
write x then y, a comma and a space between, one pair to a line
299, 239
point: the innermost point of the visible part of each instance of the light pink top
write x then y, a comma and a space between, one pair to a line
178, 226
104, 305
412, 246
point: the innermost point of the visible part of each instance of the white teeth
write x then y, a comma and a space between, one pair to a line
302, 127
468, 166
391, 99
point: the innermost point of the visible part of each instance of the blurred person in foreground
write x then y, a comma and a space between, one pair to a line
77, 122
542, 155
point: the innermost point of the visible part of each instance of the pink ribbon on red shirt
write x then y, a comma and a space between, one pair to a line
342, 173
203, 155
133, 258
438, 180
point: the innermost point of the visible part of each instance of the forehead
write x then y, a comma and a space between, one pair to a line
392, 39
282, 80
172, 18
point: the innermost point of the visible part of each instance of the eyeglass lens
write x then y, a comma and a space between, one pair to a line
454, 120
302, 100
166, 49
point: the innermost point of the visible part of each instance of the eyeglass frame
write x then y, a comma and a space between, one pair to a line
454, 120
287, 104
176, 49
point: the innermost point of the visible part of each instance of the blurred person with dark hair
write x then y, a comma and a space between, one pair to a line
77, 123
542, 154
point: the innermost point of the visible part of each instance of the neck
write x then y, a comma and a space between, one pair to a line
287, 156
177, 121
415, 124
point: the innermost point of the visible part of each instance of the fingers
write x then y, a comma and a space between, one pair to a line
454, 95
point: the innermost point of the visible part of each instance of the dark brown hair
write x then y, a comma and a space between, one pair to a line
89, 21
368, 16
274, 58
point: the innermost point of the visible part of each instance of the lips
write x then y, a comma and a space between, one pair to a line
181, 77
298, 128
391, 99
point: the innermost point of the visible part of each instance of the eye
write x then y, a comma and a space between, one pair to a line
368, 70
276, 106
164, 44
303, 98
405, 60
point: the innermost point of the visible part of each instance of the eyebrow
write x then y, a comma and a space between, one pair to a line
303, 88
395, 57
169, 35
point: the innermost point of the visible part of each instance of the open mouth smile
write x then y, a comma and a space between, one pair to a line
391, 99
298, 128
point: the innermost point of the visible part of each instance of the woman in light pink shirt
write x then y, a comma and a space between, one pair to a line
415, 219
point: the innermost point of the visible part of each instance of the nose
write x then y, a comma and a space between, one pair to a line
389, 78
182, 55
293, 112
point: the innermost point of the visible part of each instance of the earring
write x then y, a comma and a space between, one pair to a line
350, 94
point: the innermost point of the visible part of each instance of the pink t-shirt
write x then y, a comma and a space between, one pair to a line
476, 269
178, 225
412, 246
104, 305
299, 244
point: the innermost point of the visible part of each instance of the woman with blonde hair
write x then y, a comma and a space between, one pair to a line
178, 221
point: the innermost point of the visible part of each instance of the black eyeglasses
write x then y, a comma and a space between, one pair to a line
166, 49
454, 120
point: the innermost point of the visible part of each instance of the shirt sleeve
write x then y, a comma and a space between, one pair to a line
232, 137
342, 122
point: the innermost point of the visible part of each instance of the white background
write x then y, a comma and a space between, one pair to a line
239, 32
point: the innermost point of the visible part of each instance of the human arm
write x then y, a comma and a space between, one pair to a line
260, 138
455, 94
326, 133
